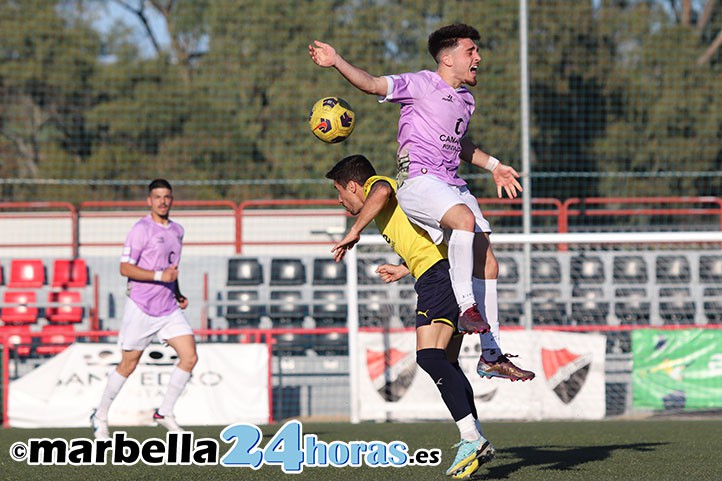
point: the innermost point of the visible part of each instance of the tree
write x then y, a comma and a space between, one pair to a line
45, 75
663, 106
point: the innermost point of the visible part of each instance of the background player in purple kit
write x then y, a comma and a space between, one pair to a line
150, 258
435, 111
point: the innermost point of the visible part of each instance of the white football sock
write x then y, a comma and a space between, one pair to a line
461, 262
467, 428
178, 380
487, 301
112, 388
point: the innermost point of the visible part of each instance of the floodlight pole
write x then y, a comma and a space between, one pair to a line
525, 161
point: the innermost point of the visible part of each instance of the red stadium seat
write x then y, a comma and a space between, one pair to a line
20, 339
70, 273
26, 273
55, 338
70, 309
26, 310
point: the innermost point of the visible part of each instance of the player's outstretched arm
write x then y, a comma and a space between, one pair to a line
376, 200
505, 176
324, 55
347, 243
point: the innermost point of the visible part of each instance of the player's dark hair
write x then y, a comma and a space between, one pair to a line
449, 36
354, 167
159, 184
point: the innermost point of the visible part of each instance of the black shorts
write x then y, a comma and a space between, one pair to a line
436, 301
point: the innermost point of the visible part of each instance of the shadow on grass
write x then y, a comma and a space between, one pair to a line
559, 458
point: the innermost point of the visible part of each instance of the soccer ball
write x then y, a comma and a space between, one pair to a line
332, 119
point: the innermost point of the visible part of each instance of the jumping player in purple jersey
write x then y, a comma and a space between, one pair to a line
153, 308
434, 116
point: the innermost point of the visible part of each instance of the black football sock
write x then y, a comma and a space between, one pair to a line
447, 379
469, 392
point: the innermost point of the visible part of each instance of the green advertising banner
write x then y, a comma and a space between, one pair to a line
677, 369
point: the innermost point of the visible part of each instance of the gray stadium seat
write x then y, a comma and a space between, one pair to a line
374, 308
631, 306
675, 305
244, 272
328, 272
585, 269
241, 310
630, 270
287, 272
587, 307
710, 269
713, 304
329, 307
288, 308
672, 269
407, 307
546, 270
366, 270
508, 270
546, 309
510, 310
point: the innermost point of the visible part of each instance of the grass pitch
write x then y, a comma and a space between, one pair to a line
654, 449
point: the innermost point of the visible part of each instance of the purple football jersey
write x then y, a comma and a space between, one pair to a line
434, 117
154, 247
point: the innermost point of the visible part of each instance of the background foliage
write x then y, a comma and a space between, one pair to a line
98, 96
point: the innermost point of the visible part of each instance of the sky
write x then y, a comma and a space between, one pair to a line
109, 12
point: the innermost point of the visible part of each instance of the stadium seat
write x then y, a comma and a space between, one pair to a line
630, 270
545, 270
546, 309
55, 338
329, 308
510, 309
585, 269
672, 269
288, 308
244, 272
242, 309
291, 343
407, 307
25, 273
330, 344
328, 272
69, 309
374, 309
675, 305
26, 310
69, 273
20, 338
632, 306
591, 310
287, 272
508, 270
710, 269
367, 270
713, 305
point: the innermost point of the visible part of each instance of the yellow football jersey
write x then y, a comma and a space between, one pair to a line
410, 241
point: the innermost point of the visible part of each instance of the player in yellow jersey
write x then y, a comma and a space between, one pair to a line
371, 197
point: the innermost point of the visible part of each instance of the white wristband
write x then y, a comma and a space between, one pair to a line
492, 163
158, 276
